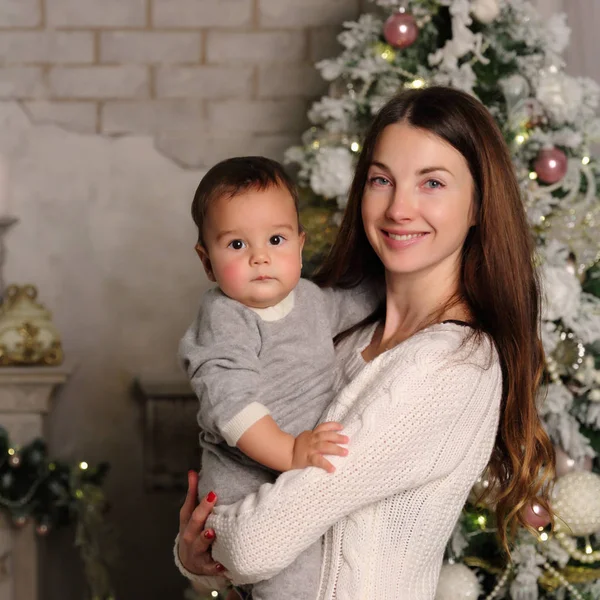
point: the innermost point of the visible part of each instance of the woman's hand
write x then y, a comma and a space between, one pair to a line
194, 540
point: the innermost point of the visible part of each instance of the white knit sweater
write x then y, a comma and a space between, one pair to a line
422, 420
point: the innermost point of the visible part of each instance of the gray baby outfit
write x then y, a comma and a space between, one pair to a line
245, 363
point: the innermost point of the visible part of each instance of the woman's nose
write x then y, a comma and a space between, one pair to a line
402, 206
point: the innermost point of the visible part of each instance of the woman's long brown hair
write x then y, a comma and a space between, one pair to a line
498, 284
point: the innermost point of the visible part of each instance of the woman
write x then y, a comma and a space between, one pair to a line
441, 382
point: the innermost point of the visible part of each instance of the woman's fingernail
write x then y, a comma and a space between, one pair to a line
219, 567
211, 497
209, 534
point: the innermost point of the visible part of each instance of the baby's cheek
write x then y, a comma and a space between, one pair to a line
232, 275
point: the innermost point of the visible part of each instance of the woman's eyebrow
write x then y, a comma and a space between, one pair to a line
380, 165
426, 170
422, 171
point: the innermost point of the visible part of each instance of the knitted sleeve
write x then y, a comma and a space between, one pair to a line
347, 307
220, 355
405, 431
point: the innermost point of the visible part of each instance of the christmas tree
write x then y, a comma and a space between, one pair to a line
502, 52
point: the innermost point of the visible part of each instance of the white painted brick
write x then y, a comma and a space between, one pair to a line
75, 116
203, 82
280, 81
21, 82
261, 116
46, 47
323, 43
119, 117
255, 47
20, 13
201, 13
306, 13
149, 47
198, 148
96, 13
99, 82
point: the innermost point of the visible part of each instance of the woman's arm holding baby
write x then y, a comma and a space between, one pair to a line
412, 432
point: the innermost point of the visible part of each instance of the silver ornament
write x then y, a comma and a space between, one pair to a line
576, 502
457, 582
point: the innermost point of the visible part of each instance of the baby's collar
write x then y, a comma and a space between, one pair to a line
278, 311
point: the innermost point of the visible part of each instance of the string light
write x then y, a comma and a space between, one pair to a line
355, 146
585, 160
482, 520
417, 84
533, 175
83, 465
521, 137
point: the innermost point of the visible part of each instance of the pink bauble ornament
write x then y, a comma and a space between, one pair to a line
400, 30
536, 516
565, 464
550, 165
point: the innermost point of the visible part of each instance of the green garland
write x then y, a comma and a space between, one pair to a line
54, 494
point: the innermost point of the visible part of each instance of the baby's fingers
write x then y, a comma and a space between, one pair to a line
334, 438
329, 426
330, 448
318, 460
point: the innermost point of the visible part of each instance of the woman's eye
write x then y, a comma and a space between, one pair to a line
434, 184
276, 240
236, 244
379, 180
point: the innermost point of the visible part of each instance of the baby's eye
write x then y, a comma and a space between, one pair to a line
276, 240
236, 244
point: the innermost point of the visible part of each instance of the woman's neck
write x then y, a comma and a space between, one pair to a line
413, 301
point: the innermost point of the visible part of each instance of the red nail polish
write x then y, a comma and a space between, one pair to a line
219, 567
209, 534
211, 497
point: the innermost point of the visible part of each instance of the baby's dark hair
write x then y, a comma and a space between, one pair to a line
235, 176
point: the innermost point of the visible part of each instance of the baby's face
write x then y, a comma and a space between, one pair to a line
253, 248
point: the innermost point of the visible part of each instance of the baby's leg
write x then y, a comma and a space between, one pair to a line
298, 581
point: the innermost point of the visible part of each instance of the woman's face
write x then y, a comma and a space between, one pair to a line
417, 206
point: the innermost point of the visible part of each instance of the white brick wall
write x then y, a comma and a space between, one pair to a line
46, 47
95, 13
20, 13
206, 78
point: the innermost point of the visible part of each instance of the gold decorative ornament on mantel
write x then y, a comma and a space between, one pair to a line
27, 334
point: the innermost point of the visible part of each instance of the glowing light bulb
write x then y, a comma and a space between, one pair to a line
533, 175
83, 466
585, 160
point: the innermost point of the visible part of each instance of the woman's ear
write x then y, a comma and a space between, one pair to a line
203, 255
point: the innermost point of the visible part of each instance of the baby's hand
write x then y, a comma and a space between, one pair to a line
310, 446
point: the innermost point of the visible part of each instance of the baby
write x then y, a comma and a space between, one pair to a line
260, 354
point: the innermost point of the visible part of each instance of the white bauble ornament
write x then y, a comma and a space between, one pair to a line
457, 582
576, 502
485, 11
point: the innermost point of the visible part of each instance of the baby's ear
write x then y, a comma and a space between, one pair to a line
203, 254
